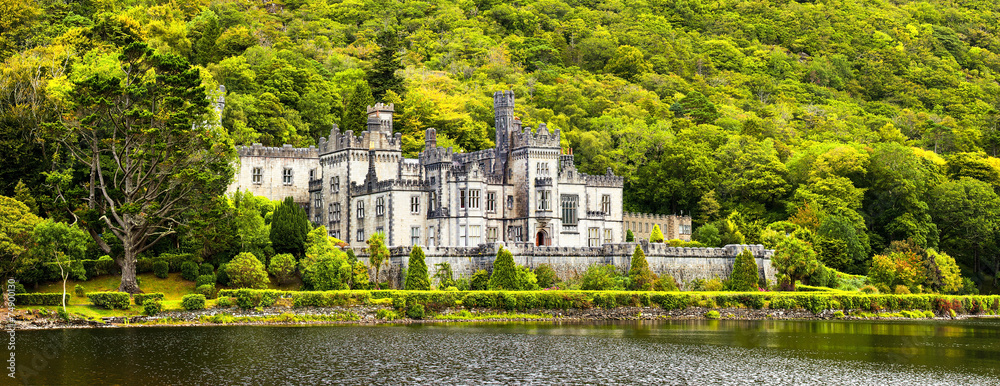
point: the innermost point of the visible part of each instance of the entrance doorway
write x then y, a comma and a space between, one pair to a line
542, 238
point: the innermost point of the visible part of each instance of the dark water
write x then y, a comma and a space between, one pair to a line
670, 352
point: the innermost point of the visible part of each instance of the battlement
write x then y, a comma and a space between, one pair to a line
388, 185
380, 107
540, 138
606, 181
503, 99
368, 140
437, 154
651, 216
286, 151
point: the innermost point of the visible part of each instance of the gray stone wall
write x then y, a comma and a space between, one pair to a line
684, 264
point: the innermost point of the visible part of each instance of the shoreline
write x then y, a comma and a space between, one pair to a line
367, 317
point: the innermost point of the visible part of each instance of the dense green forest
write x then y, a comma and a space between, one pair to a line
852, 124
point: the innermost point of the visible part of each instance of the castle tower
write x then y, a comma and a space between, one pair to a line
380, 118
503, 114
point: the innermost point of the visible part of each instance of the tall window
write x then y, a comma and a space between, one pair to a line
286, 176
543, 200
318, 204
414, 204
361, 235
593, 237
430, 236
430, 201
474, 198
336, 212
258, 175
607, 235
312, 174
510, 202
491, 201
491, 234
335, 184
461, 198
569, 205
515, 233
380, 206
414, 235
379, 230
475, 232
606, 204
361, 209
685, 229
329, 212
463, 238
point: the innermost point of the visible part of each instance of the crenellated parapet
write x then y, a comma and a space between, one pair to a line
388, 186
659, 218
437, 155
286, 151
540, 138
605, 181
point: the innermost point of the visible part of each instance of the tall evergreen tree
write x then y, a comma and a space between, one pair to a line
641, 276
417, 278
504, 272
356, 112
382, 76
289, 227
745, 273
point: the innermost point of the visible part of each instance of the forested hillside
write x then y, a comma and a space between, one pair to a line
851, 123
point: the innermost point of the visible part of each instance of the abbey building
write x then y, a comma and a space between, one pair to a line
526, 190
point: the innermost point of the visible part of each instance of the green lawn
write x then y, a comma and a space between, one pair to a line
173, 287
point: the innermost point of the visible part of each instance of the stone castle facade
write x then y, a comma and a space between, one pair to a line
525, 194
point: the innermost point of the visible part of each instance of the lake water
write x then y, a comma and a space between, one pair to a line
663, 352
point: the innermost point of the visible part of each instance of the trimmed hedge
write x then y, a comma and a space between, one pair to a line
40, 299
110, 300
140, 299
193, 302
437, 301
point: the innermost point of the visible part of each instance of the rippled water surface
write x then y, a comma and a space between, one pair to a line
668, 352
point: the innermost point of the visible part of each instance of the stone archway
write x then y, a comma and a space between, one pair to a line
542, 238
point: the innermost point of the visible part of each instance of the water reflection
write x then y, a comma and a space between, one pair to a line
681, 352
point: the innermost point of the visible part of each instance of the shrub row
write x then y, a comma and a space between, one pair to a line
174, 262
50, 271
110, 300
140, 299
40, 299
436, 301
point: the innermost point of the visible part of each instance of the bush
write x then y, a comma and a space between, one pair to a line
105, 266
206, 269
417, 278
224, 302
504, 275
160, 269
901, 290
151, 307
189, 270
745, 273
245, 271
110, 300
140, 299
712, 315
206, 289
416, 311
598, 278
546, 276
78, 290
221, 276
387, 315
205, 280
40, 299
869, 289
639, 273
193, 302
666, 283
839, 314
480, 280
282, 267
